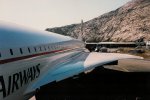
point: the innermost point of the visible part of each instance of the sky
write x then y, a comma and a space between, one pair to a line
42, 14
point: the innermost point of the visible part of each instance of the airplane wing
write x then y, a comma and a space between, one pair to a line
98, 59
83, 62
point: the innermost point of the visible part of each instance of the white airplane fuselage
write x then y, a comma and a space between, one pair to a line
23, 54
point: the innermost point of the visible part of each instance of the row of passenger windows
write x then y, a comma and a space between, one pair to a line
37, 49
33, 49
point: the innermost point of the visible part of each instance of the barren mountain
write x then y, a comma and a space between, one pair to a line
127, 23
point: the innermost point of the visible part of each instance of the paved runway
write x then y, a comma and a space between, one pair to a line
132, 65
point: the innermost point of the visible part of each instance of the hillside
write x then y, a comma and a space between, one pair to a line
127, 23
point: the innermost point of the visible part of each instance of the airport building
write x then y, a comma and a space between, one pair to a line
92, 46
148, 44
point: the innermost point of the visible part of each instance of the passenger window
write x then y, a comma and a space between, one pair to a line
11, 51
21, 51
35, 49
29, 50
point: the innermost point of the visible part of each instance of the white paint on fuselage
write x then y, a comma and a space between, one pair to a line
15, 37
12, 36
46, 63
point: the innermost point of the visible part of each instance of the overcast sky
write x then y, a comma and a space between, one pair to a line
41, 14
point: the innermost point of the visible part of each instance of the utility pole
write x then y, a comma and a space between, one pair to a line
80, 36
82, 27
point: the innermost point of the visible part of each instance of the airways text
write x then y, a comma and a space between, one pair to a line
17, 80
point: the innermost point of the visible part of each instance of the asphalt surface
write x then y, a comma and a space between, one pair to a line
131, 82
132, 65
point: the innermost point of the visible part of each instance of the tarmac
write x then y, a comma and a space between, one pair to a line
131, 82
132, 65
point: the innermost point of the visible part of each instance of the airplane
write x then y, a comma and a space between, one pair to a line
30, 59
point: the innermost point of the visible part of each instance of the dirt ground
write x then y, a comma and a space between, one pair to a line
145, 54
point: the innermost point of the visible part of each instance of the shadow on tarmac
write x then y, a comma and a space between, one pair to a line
100, 84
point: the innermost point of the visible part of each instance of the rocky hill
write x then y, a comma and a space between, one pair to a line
127, 23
